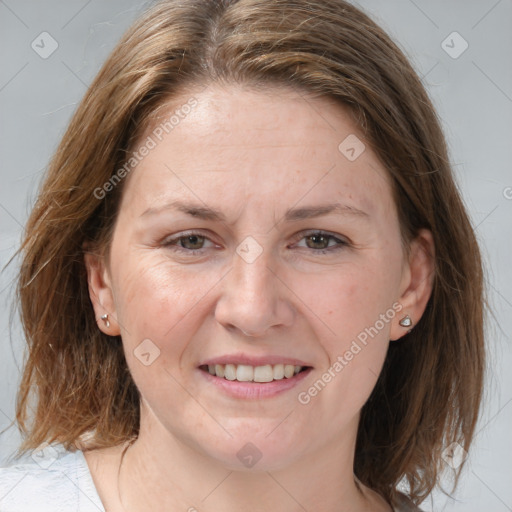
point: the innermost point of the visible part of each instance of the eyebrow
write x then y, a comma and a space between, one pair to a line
293, 214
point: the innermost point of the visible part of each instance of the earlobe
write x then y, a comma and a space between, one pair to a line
101, 294
417, 284
406, 321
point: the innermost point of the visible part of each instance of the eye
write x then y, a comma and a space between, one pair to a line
319, 241
187, 242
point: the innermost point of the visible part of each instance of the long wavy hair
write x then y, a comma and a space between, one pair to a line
75, 382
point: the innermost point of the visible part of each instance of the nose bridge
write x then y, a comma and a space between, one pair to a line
251, 298
252, 279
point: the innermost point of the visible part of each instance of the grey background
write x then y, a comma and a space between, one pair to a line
473, 96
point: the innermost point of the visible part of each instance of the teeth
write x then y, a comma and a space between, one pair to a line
218, 370
289, 370
263, 373
279, 371
244, 373
247, 373
230, 372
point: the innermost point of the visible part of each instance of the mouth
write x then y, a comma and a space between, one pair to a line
258, 374
253, 377
246, 382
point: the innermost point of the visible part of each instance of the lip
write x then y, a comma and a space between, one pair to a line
242, 358
254, 390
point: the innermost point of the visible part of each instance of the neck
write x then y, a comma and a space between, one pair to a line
159, 472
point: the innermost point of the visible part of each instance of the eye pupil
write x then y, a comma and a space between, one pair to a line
318, 242
318, 239
194, 239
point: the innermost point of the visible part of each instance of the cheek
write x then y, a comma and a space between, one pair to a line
352, 299
356, 344
156, 310
160, 301
150, 285
357, 307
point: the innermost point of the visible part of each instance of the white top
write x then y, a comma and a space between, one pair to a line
52, 480
56, 480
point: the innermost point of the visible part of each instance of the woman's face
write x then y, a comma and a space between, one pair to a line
290, 255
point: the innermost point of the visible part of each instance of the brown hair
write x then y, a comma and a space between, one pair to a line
429, 392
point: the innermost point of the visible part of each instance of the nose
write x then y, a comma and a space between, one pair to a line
254, 298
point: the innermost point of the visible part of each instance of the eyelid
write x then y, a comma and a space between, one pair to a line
172, 241
342, 241
309, 232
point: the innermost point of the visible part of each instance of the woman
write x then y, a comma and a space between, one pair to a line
249, 281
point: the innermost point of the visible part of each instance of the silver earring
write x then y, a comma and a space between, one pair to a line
105, 319
406, 321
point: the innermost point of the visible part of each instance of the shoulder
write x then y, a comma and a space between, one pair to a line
51, 480
403, 504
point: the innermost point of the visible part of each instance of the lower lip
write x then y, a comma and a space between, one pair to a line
255, 390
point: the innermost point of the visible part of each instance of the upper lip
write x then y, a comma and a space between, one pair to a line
253, 360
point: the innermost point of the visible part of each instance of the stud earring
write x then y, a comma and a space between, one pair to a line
405, 321
105, 319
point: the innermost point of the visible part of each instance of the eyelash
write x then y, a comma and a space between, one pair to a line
172, 242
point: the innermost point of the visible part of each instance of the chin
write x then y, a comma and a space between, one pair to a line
255, 450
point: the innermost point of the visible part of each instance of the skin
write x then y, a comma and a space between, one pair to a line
252, 155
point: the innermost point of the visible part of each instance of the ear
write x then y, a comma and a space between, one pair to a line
416, 284
100, 292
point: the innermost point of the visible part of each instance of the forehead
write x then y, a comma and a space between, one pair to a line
275, 146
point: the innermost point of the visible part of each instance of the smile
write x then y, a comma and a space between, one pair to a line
248, 373
246, 382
